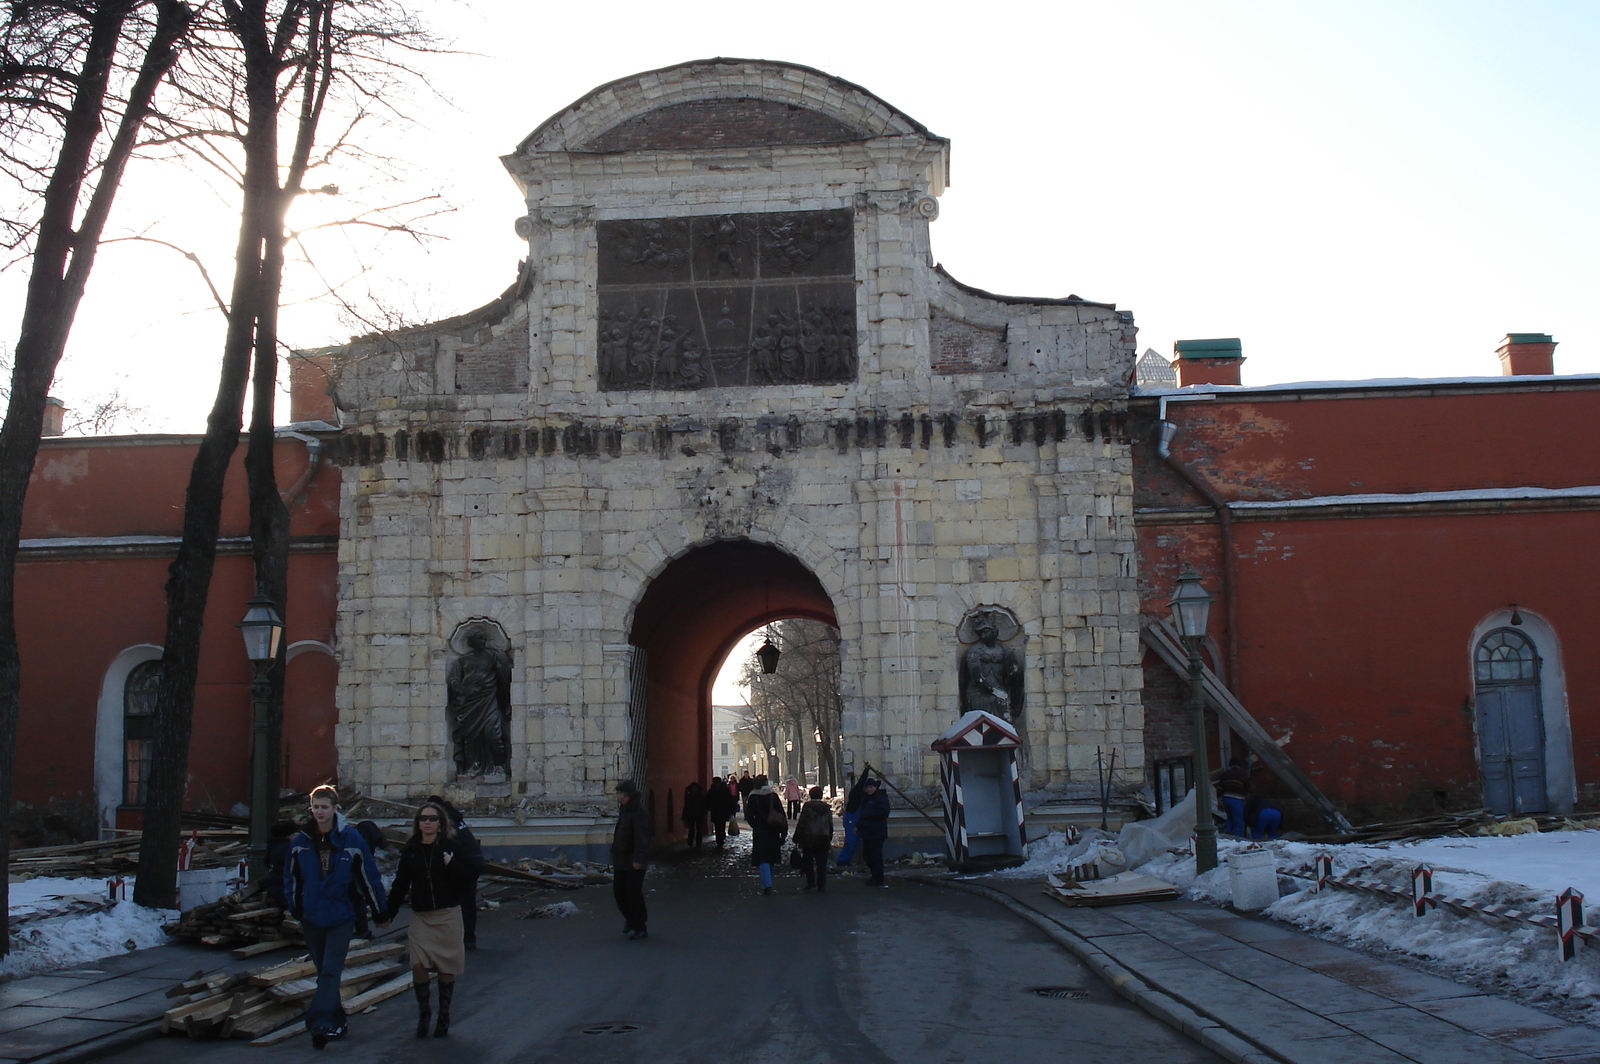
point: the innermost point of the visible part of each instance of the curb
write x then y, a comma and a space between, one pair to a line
95, 1048
1229, 1044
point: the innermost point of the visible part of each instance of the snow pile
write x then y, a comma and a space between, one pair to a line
554, 910
51, 929
1525, 871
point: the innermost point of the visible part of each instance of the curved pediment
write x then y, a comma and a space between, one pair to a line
721, 103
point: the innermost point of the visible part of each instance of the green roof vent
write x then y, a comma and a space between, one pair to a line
1223, 348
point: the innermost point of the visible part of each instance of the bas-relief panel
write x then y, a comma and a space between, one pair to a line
727, 300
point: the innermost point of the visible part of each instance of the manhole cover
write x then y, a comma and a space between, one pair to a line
611, 1028
1063, 992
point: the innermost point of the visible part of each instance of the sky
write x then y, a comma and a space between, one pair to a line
1354, 189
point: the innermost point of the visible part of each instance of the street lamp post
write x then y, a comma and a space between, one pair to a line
1191, 607
262, 630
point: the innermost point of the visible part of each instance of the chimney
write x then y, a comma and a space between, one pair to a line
1527, 355
55, 416
1207, 361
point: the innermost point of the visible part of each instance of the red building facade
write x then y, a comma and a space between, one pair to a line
1404, 580
101, 526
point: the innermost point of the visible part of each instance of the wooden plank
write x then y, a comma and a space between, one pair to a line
295, 989
300, 969
382, 992
1163, 639
282, 1034
505, 872
255, 949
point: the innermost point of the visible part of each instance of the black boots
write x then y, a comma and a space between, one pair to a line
446, 991
424, 1012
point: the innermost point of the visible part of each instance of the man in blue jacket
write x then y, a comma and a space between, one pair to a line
328, 860
872, 827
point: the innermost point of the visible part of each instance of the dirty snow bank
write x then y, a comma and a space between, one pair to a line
1526, 871
57, 930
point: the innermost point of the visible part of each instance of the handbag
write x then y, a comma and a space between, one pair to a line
796, 862
776, 821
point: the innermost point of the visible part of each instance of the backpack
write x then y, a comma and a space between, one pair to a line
814, 828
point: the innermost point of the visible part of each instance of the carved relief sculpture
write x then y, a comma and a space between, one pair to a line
991, 672
479, 706
727, 300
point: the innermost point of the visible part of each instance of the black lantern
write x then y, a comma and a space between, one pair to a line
769, 656
1190, 605
262, 629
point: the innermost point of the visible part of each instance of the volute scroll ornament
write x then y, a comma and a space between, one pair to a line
523, 227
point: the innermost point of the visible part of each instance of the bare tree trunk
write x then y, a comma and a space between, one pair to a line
62, 261
189, 578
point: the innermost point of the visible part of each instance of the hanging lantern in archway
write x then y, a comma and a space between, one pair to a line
769, 655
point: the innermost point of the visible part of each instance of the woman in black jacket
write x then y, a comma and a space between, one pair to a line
435, 875
763, 811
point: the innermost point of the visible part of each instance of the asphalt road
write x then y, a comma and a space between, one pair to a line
910, 974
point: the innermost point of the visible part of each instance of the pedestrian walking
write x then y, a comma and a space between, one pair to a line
720, 806
738, 803
852, 813
813, 833
1233, 785
435, 875
694, 815
630, 854
328, 864
470, 850
872, 827
763, 811
793, 795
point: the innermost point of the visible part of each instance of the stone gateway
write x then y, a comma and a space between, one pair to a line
731, 385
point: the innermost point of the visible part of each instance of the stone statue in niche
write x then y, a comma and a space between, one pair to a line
991, 672
479, 706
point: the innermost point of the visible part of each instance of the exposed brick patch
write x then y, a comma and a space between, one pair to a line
744, 122
1168, 725
961, 347
497, 364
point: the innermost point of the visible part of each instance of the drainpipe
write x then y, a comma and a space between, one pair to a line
292, 495
1230, 598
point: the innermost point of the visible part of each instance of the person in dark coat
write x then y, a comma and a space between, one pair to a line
630, 856
763, 811
872, 827
469, 850
277, 857
1233, 785
813, 833
720, 806
693, 815
372, 835
747, 784
328, 860
436, 875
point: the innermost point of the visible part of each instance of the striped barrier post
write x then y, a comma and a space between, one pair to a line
1323, 863
1569, 917
1421, 887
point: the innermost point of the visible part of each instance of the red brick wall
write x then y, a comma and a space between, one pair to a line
497, 365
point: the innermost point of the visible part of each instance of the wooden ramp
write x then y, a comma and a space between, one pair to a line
1160, 636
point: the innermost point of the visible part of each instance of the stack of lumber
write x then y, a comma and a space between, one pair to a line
252, 1004
247, 918
545, 873
120, 856
1422, 827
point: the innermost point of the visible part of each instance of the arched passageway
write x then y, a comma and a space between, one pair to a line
687, 622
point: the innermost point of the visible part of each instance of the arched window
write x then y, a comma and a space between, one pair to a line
1506, 656
138, 728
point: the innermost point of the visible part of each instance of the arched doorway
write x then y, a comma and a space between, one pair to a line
687, 621
1511, 746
